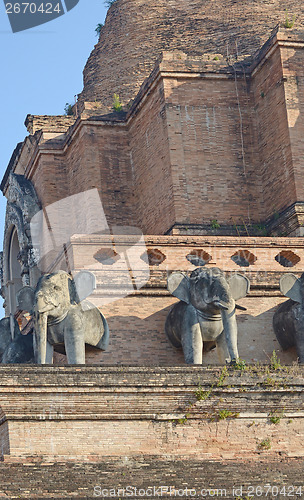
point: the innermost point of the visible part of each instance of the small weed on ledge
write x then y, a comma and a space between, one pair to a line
214, 224
223, 414
265, 444
270, 382
240, 364
117, 106
202, 395
289, 24
223, 377
275, 416
275, 362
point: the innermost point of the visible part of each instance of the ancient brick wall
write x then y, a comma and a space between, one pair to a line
293, 78
274, 149
136, 32
53, 124
49, 178
154, 201
99, 158
212, 150
203, 141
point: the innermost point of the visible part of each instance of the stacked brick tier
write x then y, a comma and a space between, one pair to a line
137, 31
204, 143
86, 413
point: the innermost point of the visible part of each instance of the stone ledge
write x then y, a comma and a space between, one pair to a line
93, 411
127, 376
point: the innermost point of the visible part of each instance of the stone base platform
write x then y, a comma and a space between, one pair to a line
119, 432
68, 413
152, 478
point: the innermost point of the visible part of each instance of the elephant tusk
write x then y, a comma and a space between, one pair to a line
241, 308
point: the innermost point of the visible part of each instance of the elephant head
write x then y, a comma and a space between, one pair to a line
51, 302
209, 301
208, 290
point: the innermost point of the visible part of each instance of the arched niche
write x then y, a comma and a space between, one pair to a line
19, 266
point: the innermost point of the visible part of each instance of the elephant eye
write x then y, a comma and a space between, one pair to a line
56, 287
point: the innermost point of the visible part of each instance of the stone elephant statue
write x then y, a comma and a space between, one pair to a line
18, 350
64, 321
288, 320
205, 313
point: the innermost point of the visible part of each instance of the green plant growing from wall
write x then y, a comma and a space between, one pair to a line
240, 364
68, 109
223, 377
214, 224
109, 3
117, 106
276, 416
261, 229
223, 414
289, 24
275, 362
202, 395
265, 444
98, 29
270, 382
183, 420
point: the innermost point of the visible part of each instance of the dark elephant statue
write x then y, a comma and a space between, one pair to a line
288, 320
205, 313
18, 350
64, 321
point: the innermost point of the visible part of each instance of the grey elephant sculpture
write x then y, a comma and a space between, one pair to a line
205, 313
288, 320
64, 321
18, 350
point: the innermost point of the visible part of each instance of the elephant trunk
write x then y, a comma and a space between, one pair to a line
230, 328
41, 337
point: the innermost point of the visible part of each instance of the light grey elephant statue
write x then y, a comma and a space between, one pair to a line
64, 321
288, 320
18, 350
205, 313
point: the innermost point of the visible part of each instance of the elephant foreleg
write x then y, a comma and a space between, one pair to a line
49, 354
74, 345
230, 329
222, 349
193, 345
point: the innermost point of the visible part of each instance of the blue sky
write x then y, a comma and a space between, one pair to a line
41, 71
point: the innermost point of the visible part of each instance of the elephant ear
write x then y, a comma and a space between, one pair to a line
178, 285
25, 299
239, 286
290, 286
84, 284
